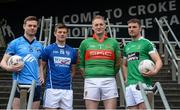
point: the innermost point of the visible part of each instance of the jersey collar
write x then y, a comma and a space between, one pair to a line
60, 46
102, 39
28, 40
138, 38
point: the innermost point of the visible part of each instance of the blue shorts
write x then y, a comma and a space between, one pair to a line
37, 94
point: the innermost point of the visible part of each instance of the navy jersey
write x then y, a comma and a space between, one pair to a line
30, 52
59, 61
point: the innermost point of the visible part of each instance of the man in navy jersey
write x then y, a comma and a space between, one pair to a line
29, 49
60, 61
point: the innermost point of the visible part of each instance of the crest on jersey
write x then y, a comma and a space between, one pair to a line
68, 53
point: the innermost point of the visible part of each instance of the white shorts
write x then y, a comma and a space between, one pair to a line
100, 88
58, 98
133, 96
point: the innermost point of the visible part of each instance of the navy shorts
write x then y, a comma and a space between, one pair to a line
37, 94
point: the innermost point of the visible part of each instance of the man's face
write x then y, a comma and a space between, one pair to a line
134, 30
98, 26
30, 28
61, 34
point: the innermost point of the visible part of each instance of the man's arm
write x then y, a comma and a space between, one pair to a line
14, 68
158, 64
124, 69
81, 59
118, 57
73, 70
4, 62
41, 71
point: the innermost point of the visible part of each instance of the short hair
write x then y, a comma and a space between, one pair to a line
30, 18
59, 26
98, 17
134, 20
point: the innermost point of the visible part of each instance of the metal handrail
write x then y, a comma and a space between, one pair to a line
50, 30
2, 41
175, 60
155, 89
46, 30
146, 102
170, 30
31, 95
13, 90
163, 98
166, 40
122, 89
41, 29
110, 31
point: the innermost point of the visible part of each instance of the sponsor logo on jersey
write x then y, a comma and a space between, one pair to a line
99, 54
55, 51
62, 60
133, 56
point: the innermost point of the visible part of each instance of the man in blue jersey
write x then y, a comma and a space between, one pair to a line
29, 49
60, 60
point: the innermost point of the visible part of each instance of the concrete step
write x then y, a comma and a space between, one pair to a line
4, 93
3, 106
4, 71
78, 95
5, 88
172, 103
5, 82
78, 84
101, 107
163, 75
164, 81
168, 96
78, 89
4, 100
6, 78
171, 90
164, 72
170, 85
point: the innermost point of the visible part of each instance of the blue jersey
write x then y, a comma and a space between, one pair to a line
30, 52
59, 61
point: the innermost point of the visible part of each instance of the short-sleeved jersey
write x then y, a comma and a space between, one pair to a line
30, 52
59, 61
134, 52
99, 59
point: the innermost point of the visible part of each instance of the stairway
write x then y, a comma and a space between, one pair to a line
5, 84
171, 89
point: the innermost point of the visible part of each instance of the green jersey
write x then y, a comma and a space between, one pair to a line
134, 52
99, 59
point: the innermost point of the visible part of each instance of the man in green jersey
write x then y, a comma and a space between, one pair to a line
99, 63
134, 52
